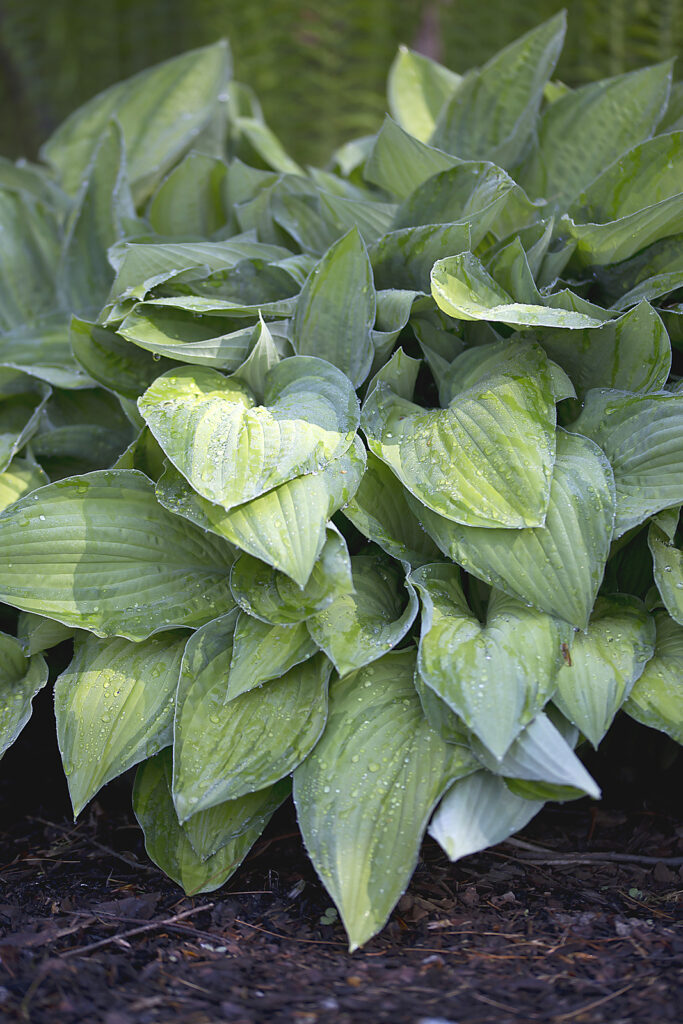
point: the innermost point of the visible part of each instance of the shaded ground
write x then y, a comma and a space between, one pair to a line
552, 927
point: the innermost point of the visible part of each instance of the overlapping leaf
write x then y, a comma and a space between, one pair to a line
114, 707
232, 450
642, 436
557, 567
224, 751
230, 829
495, 676
486, 460
98, 552
365, 793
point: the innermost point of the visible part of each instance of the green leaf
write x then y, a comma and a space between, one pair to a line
232, 450
224, 751
404, 258
116, 364
358, 628
186, 337
161, 110
486, 460
667, 560
475, 192
657, 698
541, 754
98, 552
284, 527
42, 349
515, 355
379, 510
20, 680
103, 213
399, 163
631, 352
273, 597
81, 431
449, 726
496, 676
635, 202
336, 309
114, 707
477, 812
365, 794
604, 663
22, 400
588, 128
394, 306
261, 360
143, 266
557, 567
235, 821
492, 115
399, 374
466, 291
266, 144
262, 652
143, 454
372, 218
191, 200
417, 89
36, 634
20, 478
29, 256
231, 828
641, 437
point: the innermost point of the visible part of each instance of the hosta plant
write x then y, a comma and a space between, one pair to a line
359, 483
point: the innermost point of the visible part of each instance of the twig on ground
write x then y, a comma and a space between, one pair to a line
150, 927
589, 857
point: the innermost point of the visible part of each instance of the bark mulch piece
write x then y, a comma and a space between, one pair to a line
575, 921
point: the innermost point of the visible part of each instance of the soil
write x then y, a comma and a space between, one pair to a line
578, 919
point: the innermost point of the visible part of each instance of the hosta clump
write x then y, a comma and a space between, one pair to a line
359, 483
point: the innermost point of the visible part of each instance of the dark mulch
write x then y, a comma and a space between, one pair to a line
91, 932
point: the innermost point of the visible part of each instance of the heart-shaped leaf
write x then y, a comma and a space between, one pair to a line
557, 567
641, 437
358, 628
285, 527
603, 664
486, 460
495, 676
231, 450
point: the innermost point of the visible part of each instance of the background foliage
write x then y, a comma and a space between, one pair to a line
302, 59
